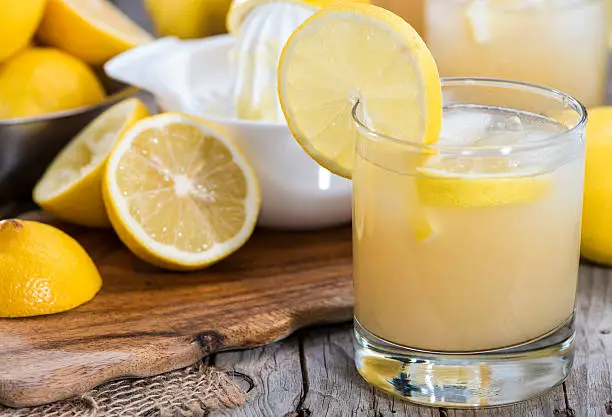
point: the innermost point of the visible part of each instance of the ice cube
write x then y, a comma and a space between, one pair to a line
478, 17
464, 127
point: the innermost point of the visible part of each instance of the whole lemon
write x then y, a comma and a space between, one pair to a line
45, 80
597, 215
91, 30
188, 19
18, 22
42, 270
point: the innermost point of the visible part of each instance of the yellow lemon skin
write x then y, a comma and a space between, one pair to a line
42, 270
80, 200
596, 242
241, 8
481, 192
18, 23
39, 81
188, 19
93, 30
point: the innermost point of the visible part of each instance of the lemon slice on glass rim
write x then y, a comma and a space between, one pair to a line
349, 52
179, 193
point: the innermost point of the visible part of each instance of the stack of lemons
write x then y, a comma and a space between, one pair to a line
48, 47
178, 193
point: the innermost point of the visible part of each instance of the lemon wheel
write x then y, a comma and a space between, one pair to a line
179, 193
349, 52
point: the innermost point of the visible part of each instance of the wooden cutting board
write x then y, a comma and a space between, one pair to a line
146, 321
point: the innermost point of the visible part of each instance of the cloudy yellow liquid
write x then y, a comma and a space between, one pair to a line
556, 43
455, 262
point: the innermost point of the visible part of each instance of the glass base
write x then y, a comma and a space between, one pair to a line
470, 379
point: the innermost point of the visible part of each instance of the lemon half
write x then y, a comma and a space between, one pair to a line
179, 193
71, 188
42, 270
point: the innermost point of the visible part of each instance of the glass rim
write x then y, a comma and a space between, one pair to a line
572, 103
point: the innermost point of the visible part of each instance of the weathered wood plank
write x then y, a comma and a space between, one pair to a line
589, 387
335, 389
548, 405
276, 374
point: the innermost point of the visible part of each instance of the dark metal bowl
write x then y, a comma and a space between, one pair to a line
29, 144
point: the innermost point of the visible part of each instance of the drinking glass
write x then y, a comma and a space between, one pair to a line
466, 251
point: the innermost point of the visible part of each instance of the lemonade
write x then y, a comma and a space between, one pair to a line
466, 251
557, 43
502, 236
467, 209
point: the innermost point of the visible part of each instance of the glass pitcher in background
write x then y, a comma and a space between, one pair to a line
561, 44
413, 11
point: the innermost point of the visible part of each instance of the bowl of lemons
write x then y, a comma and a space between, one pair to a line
51, 84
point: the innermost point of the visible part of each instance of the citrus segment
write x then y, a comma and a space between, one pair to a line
179, 193
42, 270
92, 30
71, 188
348, 53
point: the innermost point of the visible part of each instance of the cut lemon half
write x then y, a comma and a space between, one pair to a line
92, 30
179, 193
71, 188
349, 52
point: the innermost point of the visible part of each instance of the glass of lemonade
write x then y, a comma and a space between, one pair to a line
557, 43
466, 252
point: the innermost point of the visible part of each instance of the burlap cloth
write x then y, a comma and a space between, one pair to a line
193, 392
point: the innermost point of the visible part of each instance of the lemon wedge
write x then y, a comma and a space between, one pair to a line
349, 52
71, 188
92, 30
42, 270
469, 192
179, 193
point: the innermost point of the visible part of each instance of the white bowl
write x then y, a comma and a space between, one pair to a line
297, 194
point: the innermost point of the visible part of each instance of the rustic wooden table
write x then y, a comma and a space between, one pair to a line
312, 373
